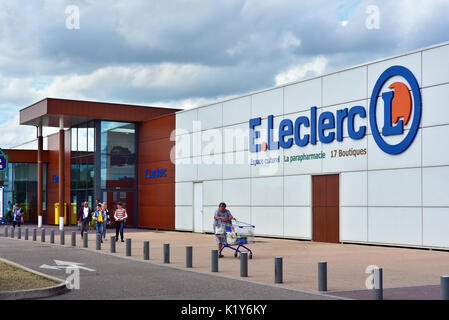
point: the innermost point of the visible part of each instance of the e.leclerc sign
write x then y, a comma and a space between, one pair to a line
398, 107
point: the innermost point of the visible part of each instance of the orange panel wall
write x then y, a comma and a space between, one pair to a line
156, 196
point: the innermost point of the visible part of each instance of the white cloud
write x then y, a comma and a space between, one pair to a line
299, 72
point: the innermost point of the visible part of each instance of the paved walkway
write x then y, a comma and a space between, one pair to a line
414, 273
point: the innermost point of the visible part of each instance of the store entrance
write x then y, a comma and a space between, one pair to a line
111, 197
326, 205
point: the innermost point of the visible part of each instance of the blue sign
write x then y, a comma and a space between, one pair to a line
157, 173
54, 178
3, 161
328, 126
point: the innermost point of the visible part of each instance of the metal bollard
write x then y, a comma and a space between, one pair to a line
52, 236
98, 242
85, 240
42, 235
112, 244
378, 284
19, 233
6, 231
444, 287
166, 253
12, 232
128, 247
62, 237
146, 250
34, 234
214, 260
26, 233
278, 270
73, 239
244, 264
189, 256
322, 276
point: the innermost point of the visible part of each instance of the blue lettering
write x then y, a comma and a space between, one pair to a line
285, 129
322, 126
253, 134
352, 112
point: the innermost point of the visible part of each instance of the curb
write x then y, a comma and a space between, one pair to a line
37, 293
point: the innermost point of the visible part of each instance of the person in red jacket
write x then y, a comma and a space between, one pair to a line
120, 216
85, 216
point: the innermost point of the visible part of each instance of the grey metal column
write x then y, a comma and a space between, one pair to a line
128, 247
42, 235
62, 237
189, 256
214, 260
26, 233
146, 250
378, 284
12, 232
278, 270
244, 264
73, 238
112, 244
444, 287
19, 233
34, 234
166, 253
322, 276
85, 240
52, 236
6, 231
98, 242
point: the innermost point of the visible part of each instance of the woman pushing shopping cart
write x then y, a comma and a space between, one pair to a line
230, 232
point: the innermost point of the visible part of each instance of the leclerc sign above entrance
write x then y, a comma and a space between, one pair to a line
397, 113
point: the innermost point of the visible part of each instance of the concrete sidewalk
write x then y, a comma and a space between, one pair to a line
347, 263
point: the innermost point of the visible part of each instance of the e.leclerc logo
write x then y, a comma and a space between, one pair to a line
398, 107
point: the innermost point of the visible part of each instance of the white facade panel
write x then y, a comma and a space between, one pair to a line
354, 189
267, 191
378, 159
184, 193
211, 167
241, 213
208, 218
353, 224
435, 222
435, 66
301, 96
394, 188
211, 141
183, 146
212, 192
435, 150
298, 190
435, 109
237, 111
184, 218
267, 103
348, 155
268, 220
237, 192
298, 222
186, 169
344, 86
236, 138
185, 121
266, 163
210, 117
236, 165
401, 226
435, 192
302, 160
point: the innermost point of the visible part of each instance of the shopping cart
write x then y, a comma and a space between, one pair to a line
239, 233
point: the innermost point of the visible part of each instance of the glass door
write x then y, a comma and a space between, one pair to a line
126, 198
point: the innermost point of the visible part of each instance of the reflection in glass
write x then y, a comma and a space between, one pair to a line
74, 139
82, 138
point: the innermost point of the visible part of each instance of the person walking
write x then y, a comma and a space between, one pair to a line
84, 215
18, 216
107, 221
99, 218
120, 216
222, 218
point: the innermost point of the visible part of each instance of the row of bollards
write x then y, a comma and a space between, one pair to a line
278, 261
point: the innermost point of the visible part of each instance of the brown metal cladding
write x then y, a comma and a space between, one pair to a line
17, 155
156, 202
326, 206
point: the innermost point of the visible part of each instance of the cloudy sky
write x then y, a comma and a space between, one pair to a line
185, 53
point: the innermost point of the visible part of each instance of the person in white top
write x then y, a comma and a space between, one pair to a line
120, 216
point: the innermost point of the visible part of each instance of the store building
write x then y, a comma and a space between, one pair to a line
359, 155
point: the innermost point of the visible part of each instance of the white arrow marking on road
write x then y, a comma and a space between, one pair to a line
66, 264
46, 266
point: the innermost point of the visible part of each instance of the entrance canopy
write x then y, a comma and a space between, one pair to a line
48, 111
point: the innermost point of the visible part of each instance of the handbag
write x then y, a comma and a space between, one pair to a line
21, 219
219, 229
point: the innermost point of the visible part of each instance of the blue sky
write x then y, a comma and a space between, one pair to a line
189, 53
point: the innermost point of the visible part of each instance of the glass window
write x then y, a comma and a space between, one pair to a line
117, 171
74, 138
118, 137
91, 137
82, 138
